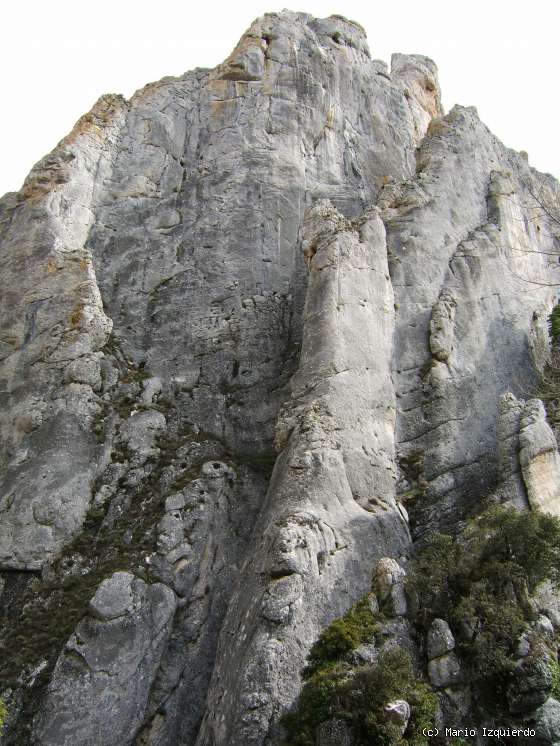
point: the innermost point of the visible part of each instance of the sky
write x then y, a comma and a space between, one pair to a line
57, 57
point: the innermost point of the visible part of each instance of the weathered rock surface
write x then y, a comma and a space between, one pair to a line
53, 328
540, 462
102, 679
439, 640
445, 671
259, 324
547, 721
531, 684
332, 493
389, 584
398, 713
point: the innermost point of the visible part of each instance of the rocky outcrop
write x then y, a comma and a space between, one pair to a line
389, 585
53, 328
332, 493
445, 671
439, 640
262, 326
531, 685
102, 679
529, 461
540, 462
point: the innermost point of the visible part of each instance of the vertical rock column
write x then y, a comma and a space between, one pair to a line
539, 459
52, 330
330, 510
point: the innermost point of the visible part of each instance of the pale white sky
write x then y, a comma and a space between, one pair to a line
57, 57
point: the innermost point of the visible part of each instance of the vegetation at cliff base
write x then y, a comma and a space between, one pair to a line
357, 696
342, 636
481, 583
336, 689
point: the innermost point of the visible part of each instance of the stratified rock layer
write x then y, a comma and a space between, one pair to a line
294, 260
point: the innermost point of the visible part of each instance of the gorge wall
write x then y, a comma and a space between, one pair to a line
261, 326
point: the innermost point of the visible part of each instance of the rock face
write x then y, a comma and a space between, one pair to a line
102, 679
261, 327
540, 462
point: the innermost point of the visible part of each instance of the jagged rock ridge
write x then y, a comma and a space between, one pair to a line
297, 261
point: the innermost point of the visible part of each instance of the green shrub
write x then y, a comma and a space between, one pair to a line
554, 324
343, 635
548, 388
424, 705
357, 696
555, 671
363, 697
3, 714
482, 581
336, 690
317, 703
524, 544
497, 623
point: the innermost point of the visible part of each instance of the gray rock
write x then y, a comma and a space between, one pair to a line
441, 405
523, 647
439, 639
140, 432
441, 326
84, 370
152, 387
398, 713
547, 721
100, 686
364, 653
548, 602
389, 584
175, 502
334, 459
539, 459
53, 328
531, 684
445, 671
237, 289
114, 597
543, 626
510, 410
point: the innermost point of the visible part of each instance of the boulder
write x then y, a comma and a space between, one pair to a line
445, 671
398, 713
439, 639
389, 585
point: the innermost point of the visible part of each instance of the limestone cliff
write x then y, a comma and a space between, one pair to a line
261, 327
